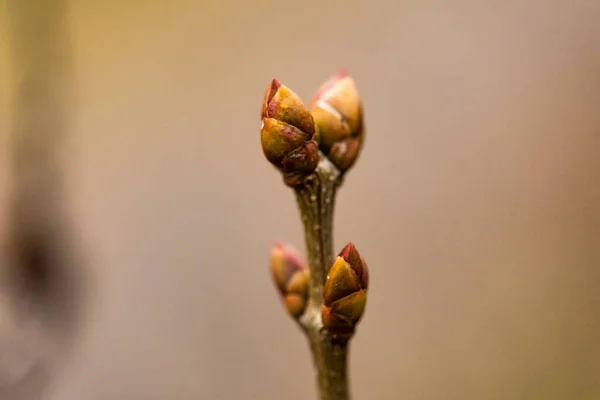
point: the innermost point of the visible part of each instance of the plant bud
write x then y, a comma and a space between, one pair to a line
287, 133
337, 111
290, 274
345, 293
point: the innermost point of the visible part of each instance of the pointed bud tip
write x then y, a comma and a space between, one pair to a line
290, 255
342, 73
350, 245
347, 250
275, 85
277, 248
351, 255
271, 91
331, 83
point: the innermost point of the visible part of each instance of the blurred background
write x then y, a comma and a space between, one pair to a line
476, 199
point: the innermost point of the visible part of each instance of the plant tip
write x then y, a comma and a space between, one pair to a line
342, 73
287, 133
337, 111
290, 274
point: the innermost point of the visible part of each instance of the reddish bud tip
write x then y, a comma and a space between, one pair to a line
269, 94
342, 73
351, 255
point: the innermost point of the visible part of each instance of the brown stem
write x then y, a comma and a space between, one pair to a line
316, 200
331, 363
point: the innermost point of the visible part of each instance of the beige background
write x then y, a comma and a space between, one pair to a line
476, 200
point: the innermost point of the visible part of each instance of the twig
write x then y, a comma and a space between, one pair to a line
313, 149
316, 201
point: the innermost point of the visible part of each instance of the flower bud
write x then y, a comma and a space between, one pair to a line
287, 133
290, 274
345, 293
337, 111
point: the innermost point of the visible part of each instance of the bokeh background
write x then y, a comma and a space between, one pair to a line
476, 200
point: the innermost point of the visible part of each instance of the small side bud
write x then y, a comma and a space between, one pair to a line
290, 273
337, 111
345, 294
287, 133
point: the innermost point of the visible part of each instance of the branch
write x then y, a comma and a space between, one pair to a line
313, 149
316, 201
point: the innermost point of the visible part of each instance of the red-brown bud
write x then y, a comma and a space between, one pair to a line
290, 273
287, 133
345, 293
337, 111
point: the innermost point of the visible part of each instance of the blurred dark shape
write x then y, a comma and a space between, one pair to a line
41, 270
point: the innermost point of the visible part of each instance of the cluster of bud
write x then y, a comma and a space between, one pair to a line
294, 138
292, 135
